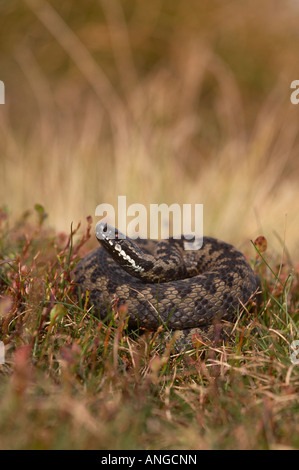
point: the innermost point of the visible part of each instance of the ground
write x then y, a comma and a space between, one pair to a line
71, 381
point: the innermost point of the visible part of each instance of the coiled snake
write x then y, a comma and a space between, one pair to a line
161, 283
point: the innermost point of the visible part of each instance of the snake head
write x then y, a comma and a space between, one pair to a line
123, 250
105, 232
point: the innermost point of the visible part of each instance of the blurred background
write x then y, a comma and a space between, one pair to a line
161, 101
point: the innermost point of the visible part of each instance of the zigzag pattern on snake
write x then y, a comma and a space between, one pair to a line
162, 283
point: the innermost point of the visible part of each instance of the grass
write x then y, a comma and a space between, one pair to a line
71, 381
175, 102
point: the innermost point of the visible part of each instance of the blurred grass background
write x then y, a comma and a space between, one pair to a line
160, 101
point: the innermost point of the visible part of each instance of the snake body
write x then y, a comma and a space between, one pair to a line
163, 283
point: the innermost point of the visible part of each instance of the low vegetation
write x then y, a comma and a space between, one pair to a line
71, 381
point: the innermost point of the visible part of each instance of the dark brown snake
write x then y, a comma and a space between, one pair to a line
161, 283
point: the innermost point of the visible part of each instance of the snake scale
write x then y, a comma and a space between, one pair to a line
160, 282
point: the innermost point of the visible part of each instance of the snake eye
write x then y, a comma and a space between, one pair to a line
102, 230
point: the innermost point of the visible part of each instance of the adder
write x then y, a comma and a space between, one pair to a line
163, 283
